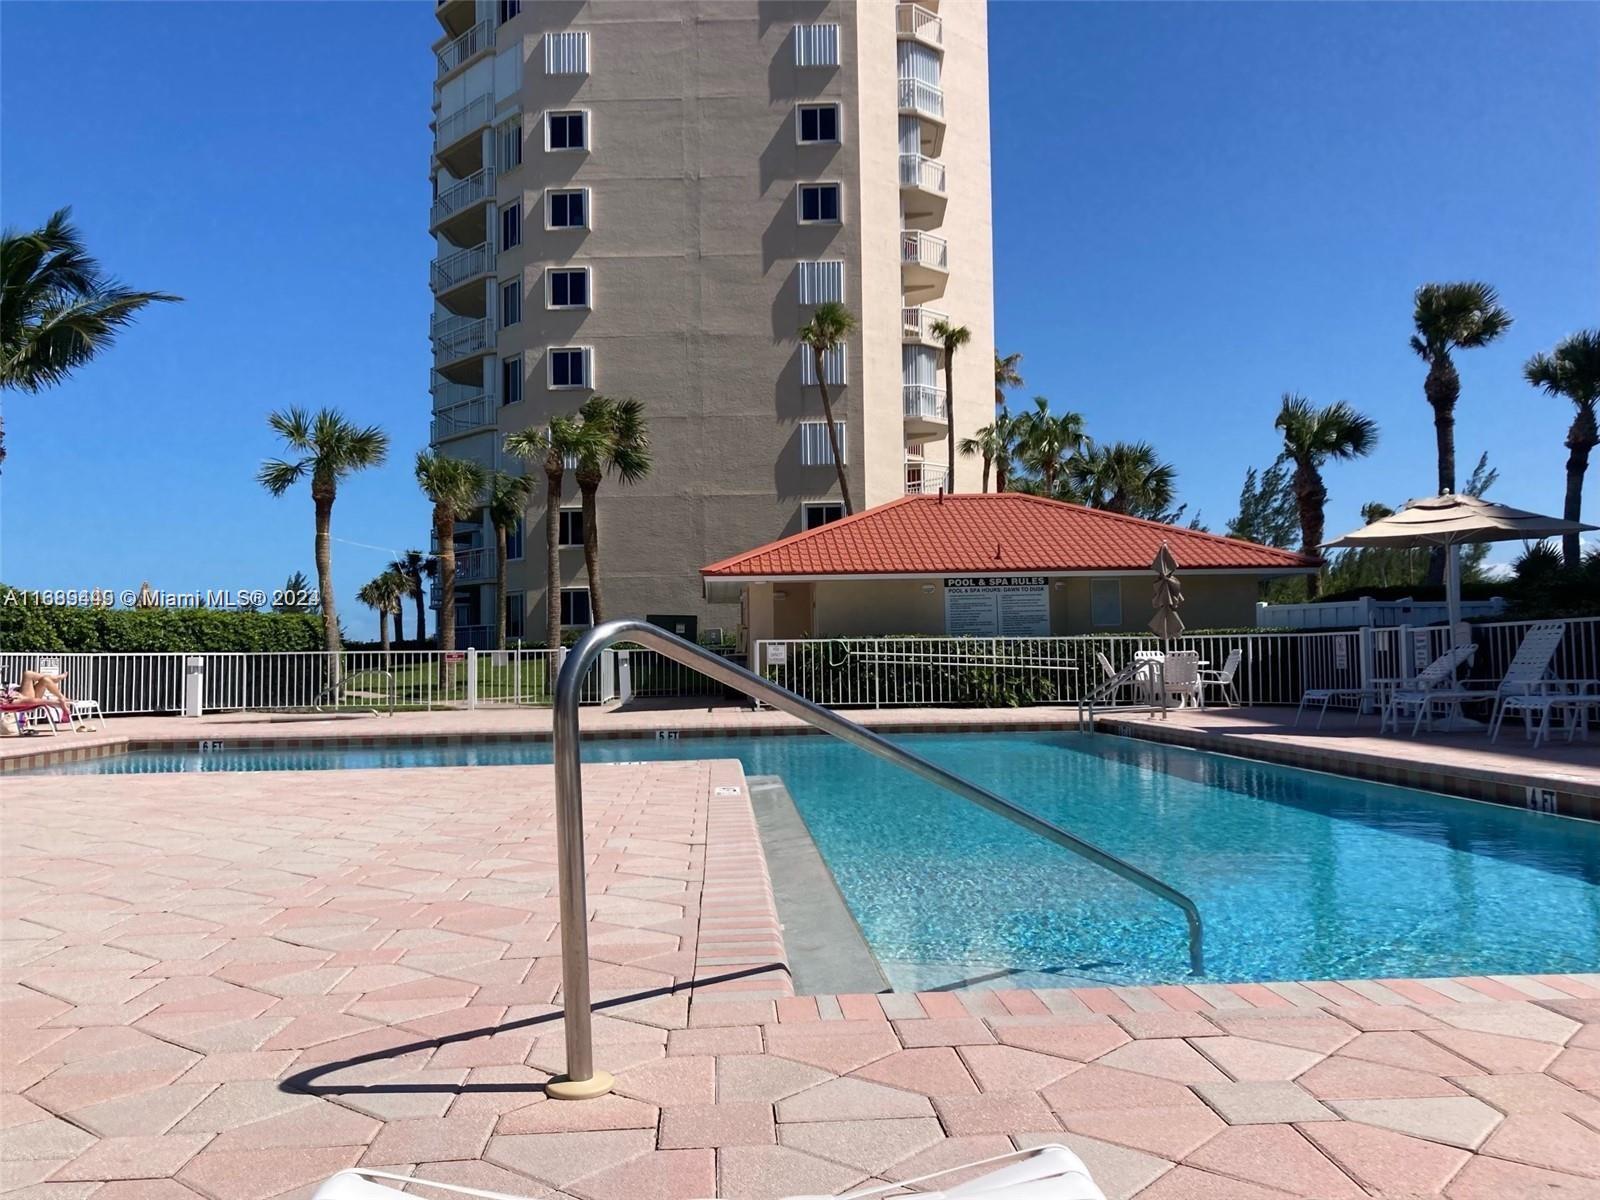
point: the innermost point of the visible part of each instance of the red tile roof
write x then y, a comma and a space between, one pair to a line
994, 534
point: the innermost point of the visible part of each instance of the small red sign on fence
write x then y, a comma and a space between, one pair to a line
455, 656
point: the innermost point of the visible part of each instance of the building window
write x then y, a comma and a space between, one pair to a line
816, 45
821, 282
511, 380
509, 9
570, 532
835, 366
819, 203
510, 303
508, 141
567, 287
575, 607
818, 122
815, 448
1105, 602
511, 225
516, 610
569, 367
818, 515
514, 541
567, 53
566, 130
568, 210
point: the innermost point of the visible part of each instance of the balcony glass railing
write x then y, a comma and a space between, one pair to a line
474, 189
912, 20
474, 41
918, 249
920, 171
470, 116
923, 99
923, 478
457, 337
458, 267
462, 418
923, 402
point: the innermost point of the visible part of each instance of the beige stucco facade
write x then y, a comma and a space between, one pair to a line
888, 606
691, 172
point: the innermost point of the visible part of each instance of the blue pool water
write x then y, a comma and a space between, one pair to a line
1298, 875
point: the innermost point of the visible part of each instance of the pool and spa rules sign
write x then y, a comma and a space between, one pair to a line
997, 606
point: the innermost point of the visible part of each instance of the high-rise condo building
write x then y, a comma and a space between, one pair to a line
647, 199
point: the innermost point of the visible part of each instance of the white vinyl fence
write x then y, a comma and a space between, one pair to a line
375, 680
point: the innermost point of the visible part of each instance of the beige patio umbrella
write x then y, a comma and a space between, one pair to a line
1166, 624
1452, 521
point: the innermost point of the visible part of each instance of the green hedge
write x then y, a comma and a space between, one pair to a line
28, 626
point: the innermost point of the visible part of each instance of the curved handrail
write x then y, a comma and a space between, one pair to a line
339, 685
569, 814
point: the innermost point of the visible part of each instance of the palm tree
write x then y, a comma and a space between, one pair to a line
296, 597
1123, 477
952, 338
58, 309
454, 486
1005, 375
1451, 316
383, 594
550, 447
330, 447
1046, 441
620, 442
829, 326
995, 443
1573, 371
412, 567
508, 500
1311, 436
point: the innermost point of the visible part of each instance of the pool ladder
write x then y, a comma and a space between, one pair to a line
581, 1080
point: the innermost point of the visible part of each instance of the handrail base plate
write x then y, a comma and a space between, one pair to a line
562, 1088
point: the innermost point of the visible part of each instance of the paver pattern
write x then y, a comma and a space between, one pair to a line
233, 985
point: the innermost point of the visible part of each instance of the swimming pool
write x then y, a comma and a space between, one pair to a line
1298, 875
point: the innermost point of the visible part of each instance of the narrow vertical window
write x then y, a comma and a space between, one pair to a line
511, 225
510, 303
511, 380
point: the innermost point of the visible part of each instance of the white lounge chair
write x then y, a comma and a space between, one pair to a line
1413, 695
1048, 1173
1222, 680
1525, 676
83, 708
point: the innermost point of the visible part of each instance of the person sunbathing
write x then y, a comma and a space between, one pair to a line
44, 687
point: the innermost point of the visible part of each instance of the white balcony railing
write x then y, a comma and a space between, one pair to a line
917, 322
923, 402
447, 393
474, 189
474, 41
470, 116
462, 418
460, 266
918, 249
912, 20
474, 566
457, 337
923, 478
923, 99
920, 171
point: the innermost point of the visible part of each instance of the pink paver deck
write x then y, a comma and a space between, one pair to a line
177, 948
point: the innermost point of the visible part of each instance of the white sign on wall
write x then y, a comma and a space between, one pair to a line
997, 606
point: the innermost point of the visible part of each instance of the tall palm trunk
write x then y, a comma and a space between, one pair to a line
833, 436
950, 421
1311, 498
1443, 388
444, 531
400, 620
499, 587
422, 611
988, 461
552, 552
1001, 474
1581, 438
588, 487
322, 494
383, 630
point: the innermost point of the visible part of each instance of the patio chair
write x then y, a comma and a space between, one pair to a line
1222, 680
1418, 696
29, 711
1049, 1172
1109, 675
1524, 677
1181, 677
82, 708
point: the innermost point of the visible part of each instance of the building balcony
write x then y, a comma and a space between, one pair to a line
917, 322
459, 344
472, 566
924, 262
457, 279
461, 419
458, 137
919, 24
460, 211
926, 416
923, 478
455, 16
459, 51
922, 191
919, 99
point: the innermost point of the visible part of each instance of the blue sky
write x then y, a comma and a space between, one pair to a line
1196, 208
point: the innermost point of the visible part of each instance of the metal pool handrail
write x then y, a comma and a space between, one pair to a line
581, 1080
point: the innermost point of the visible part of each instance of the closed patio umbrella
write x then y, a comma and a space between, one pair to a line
1452, 521
1166, 624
